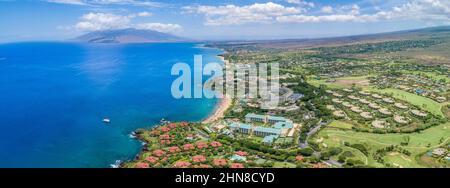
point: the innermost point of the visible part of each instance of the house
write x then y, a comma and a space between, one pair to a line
238, 158
439, 152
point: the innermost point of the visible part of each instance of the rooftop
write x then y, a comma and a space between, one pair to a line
251, 115
283, 125
270, 139
267, 130
240, 125
276, 118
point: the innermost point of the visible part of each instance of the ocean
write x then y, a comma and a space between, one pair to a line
54, 96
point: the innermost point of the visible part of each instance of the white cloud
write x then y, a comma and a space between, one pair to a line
108, 21
164, 28
233, 15
144, 14
327, 9
102, 21
434, 11
140, 14
301, 2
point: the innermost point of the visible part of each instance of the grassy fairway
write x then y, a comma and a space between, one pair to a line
284, 165
419, 142
422, 102
340, 124
344, 82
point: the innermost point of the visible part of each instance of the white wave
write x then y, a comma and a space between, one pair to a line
116, 164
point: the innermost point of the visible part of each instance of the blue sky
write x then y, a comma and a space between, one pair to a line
23, 20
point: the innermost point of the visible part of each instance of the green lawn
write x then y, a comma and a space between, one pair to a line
284, 140
422, 102
418, 144
341, 83
317, 83
284, 165
340, 124
401, 160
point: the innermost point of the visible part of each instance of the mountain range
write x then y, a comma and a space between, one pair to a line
128, 36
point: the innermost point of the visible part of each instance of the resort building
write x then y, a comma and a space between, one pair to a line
281, 127
264, 119
241, 128
265, 131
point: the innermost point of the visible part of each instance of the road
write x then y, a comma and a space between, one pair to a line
311, 133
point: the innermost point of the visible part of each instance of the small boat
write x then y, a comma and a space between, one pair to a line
106, 120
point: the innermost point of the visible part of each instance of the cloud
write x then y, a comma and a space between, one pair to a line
235, 15
422, 10
102, 21
107, 21
164, 28
140, 14
144, 14
301, 2
419, 10
327, 9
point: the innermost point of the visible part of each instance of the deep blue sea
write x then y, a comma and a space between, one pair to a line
54, 95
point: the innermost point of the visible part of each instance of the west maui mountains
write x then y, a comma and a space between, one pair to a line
129, 36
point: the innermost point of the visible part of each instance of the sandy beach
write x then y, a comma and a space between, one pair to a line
219, 112
224, 104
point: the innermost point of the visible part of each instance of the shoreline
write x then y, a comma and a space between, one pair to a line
217, 114
224, 104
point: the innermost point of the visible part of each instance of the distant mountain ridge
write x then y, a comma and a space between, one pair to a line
441, 32
128, 36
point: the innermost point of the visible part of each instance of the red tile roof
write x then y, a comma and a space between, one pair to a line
241, 153
151, 159
216, 144
237, 165
182, 164
159, 153
188, 147
201, 145
198, 159
142, 165
220, 162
